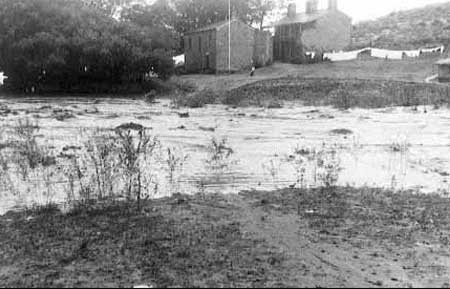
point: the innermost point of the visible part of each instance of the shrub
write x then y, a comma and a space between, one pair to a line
27, 147
134, 148
219, 154
175, 162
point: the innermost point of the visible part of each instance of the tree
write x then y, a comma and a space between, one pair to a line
65, 46
158, 20
194, 14
260, 9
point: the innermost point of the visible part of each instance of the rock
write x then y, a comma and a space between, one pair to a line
130, 126
211, 129
183, 114
326, 116
341, 131
92, 110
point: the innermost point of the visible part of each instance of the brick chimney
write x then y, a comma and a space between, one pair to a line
312, 6
292, 10
333, 5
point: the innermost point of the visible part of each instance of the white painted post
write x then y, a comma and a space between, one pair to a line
229, 36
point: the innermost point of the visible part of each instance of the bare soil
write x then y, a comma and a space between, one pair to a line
304, 238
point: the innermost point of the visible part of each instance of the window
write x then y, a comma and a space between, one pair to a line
190, 43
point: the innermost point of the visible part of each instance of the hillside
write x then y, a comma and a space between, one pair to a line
428, 26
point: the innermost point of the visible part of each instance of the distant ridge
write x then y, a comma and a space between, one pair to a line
421, 27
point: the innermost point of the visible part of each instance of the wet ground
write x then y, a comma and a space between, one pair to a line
401, 148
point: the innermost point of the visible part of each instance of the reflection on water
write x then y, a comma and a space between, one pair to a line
262, 139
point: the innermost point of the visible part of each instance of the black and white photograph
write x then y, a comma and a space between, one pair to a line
224, 143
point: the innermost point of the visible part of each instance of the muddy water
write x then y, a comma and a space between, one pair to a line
262, 140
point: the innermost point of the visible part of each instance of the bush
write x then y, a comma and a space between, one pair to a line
29, 152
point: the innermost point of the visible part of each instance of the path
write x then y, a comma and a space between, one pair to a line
321, 260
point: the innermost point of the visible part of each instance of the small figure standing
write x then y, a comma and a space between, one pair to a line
252, 73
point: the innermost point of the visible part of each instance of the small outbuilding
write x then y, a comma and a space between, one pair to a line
211, 49
444, 70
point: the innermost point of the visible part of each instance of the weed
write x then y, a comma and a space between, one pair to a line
399, 145
219, 154
329, 166
175, 162
299, 160
27, 147
134, 148
273, 167
150, 97
101, 152
323, 165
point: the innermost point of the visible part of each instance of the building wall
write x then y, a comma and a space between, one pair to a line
200, 51
444, 73
288, 43
263, 52
330, 33
242, 46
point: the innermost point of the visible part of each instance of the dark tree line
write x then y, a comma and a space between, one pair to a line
66, 46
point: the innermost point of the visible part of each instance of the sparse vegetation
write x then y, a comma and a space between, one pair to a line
411, 29
135, 147
176, 159
399, 146
195, 100
340, 93
27, 151
316, 167
220, 154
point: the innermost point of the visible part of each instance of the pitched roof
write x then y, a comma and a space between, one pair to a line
215, 26
302, 18
444, 62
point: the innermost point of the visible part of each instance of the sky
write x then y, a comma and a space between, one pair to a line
361, 10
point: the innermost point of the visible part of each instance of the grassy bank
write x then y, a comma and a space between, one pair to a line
410, 70
340, 93
336, 237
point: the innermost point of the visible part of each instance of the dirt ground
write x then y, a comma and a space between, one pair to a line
415, 70
341, 237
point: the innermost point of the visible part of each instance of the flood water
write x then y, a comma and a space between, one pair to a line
262, 140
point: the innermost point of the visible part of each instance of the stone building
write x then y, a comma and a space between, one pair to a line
444, 70
312, 31
207, 49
